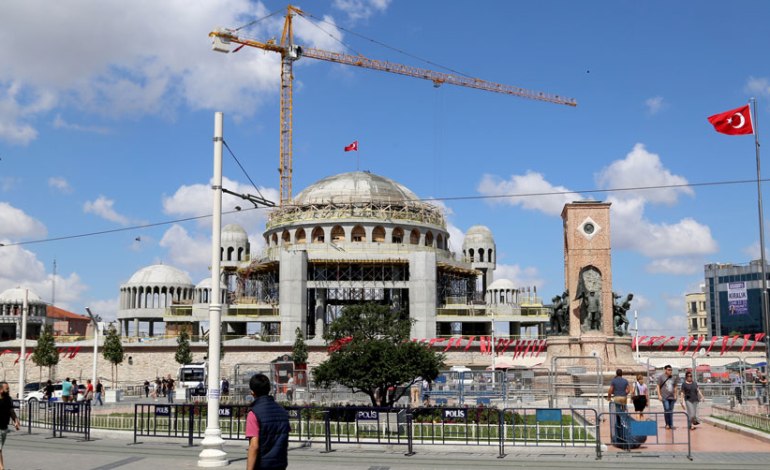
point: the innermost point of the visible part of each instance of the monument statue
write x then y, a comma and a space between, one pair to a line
560, 316
619, 310
589, 292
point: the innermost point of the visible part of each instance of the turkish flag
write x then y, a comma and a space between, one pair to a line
734, 122
352, 147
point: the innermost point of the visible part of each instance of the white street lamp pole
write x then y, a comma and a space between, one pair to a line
23, 351
96, 345
213, 454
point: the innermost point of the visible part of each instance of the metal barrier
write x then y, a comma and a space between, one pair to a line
72, 418
527, 386
366, 425
620, 434
571, 381
564, 427
456, 426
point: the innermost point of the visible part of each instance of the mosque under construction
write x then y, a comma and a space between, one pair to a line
346, 239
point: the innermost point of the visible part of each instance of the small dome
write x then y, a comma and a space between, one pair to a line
478, 234
16, 296
160, 274
204, 284
355, 187
501, 284
234, 231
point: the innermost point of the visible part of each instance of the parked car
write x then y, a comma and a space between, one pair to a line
38, 395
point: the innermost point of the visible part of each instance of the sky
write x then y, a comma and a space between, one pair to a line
107, 112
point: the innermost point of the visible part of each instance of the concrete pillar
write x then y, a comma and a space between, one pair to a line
152, 329
422, 293
293, 293
136, 327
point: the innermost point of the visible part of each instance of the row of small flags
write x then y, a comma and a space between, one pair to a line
69, 353
685, 342
519, 347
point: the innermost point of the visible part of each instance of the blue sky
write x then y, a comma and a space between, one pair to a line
106, 119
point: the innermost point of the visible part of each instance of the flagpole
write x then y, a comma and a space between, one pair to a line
765, 315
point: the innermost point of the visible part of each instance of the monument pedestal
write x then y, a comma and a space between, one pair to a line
614, 351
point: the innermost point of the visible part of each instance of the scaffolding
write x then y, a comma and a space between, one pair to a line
410, 211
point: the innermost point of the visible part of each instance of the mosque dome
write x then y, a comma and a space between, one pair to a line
160, 274
355, 187
478, 234
501, 284
16, 296
234, 232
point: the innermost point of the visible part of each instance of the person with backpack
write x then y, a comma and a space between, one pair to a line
667, 388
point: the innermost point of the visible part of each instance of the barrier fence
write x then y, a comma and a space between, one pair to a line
625, 431
60, 417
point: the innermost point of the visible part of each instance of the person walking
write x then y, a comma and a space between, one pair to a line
66, 390
641, 395
89, 391
146, 389
691, 396
48, 394
6, 416
667, 387
170, 389
619, 391
99, 392
75, 391
761, 383
267, 429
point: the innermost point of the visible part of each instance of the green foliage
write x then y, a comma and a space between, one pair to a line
113, 351
45, 354
735, 333
299, 353
183, 353
378, 357
221, 343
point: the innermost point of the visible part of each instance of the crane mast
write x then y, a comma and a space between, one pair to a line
290, 52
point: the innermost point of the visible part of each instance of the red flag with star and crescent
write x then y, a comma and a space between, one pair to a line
352, 147
734, 122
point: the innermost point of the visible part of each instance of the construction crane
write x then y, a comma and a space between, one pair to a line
222, 40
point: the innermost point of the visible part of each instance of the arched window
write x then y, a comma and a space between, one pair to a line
240, 254
274, 239
285, 237
318, 235
489, 256
230, 251
414, 237
481, 254
299, 236
338, 234
378, 235
429, 238
358, 234
471, 252
440, 242
398, 235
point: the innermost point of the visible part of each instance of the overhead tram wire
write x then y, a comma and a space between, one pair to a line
448, 198
243, 169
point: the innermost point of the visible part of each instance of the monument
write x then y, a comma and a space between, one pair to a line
596, 325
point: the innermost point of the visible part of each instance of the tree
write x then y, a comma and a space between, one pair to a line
113, 352
45, 354
221, 343
371, 353
183, 353
299, 353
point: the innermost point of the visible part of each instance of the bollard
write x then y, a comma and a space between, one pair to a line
191, 424
327, 433
29, 416
136, 412
501, 434
409, 443
53, 426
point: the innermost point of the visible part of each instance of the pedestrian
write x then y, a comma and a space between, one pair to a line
66, 390
74, 392
89, 391
267, 429
667, 386
691, 396
618, 391
6, 416
426, 387
738, 388
290, 389
99, 392
225, 387
761, 383
48, 394
170, 389
641, 395
146, 389
164, 387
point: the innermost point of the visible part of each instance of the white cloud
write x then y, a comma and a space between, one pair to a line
7, 183
758, 86
532, 192
520, 276
670, 325
103, 208
361, 9
14, 223
192, 252
60, 123
60, 184
654, 105
752, 251
680, 266
133, 59
641, 168
21, 268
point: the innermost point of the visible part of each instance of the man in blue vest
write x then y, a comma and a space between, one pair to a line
267, 429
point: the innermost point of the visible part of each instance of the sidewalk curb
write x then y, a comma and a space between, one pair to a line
736, 428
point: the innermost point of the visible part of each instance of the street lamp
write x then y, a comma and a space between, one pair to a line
96, 344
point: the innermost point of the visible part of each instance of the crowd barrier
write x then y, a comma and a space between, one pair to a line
624, 428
